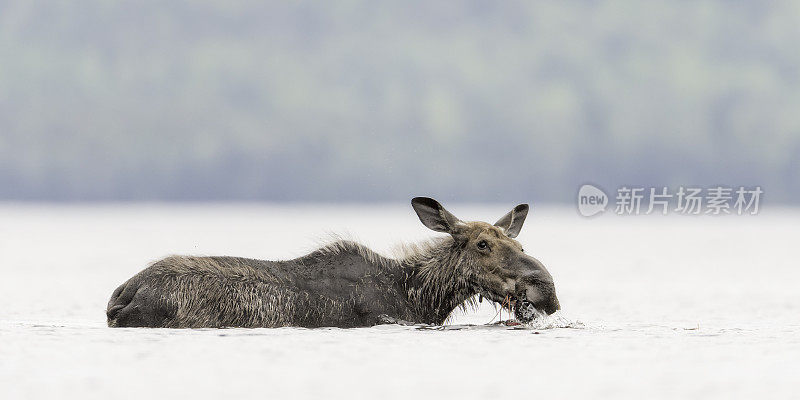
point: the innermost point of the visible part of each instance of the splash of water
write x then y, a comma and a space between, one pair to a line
532, 318
556, 320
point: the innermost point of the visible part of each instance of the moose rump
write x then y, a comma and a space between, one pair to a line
312, 291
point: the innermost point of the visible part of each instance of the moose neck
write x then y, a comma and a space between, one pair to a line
435, 281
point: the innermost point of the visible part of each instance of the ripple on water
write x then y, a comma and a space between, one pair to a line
541, 321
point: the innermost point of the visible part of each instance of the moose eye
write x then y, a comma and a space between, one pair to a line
483, 245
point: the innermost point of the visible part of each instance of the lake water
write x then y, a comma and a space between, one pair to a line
653, 307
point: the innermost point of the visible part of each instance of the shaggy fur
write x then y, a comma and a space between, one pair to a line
342, 284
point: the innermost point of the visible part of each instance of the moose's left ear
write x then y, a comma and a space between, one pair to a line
435, 217
512, 222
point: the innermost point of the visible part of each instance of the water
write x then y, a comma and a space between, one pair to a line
653, 307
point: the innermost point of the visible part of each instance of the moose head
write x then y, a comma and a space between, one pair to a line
491, 261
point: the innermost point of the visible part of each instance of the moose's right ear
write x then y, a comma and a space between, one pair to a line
434, 216
511, 223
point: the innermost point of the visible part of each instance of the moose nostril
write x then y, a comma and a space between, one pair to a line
543, 296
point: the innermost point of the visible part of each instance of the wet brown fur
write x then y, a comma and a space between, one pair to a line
342, 284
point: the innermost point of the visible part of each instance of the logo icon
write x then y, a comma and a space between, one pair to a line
591, 200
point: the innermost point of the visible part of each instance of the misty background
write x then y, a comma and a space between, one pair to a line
366, 101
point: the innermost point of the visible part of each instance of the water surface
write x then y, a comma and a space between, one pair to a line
653, 307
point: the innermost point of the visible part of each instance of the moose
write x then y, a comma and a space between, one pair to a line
345, 284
